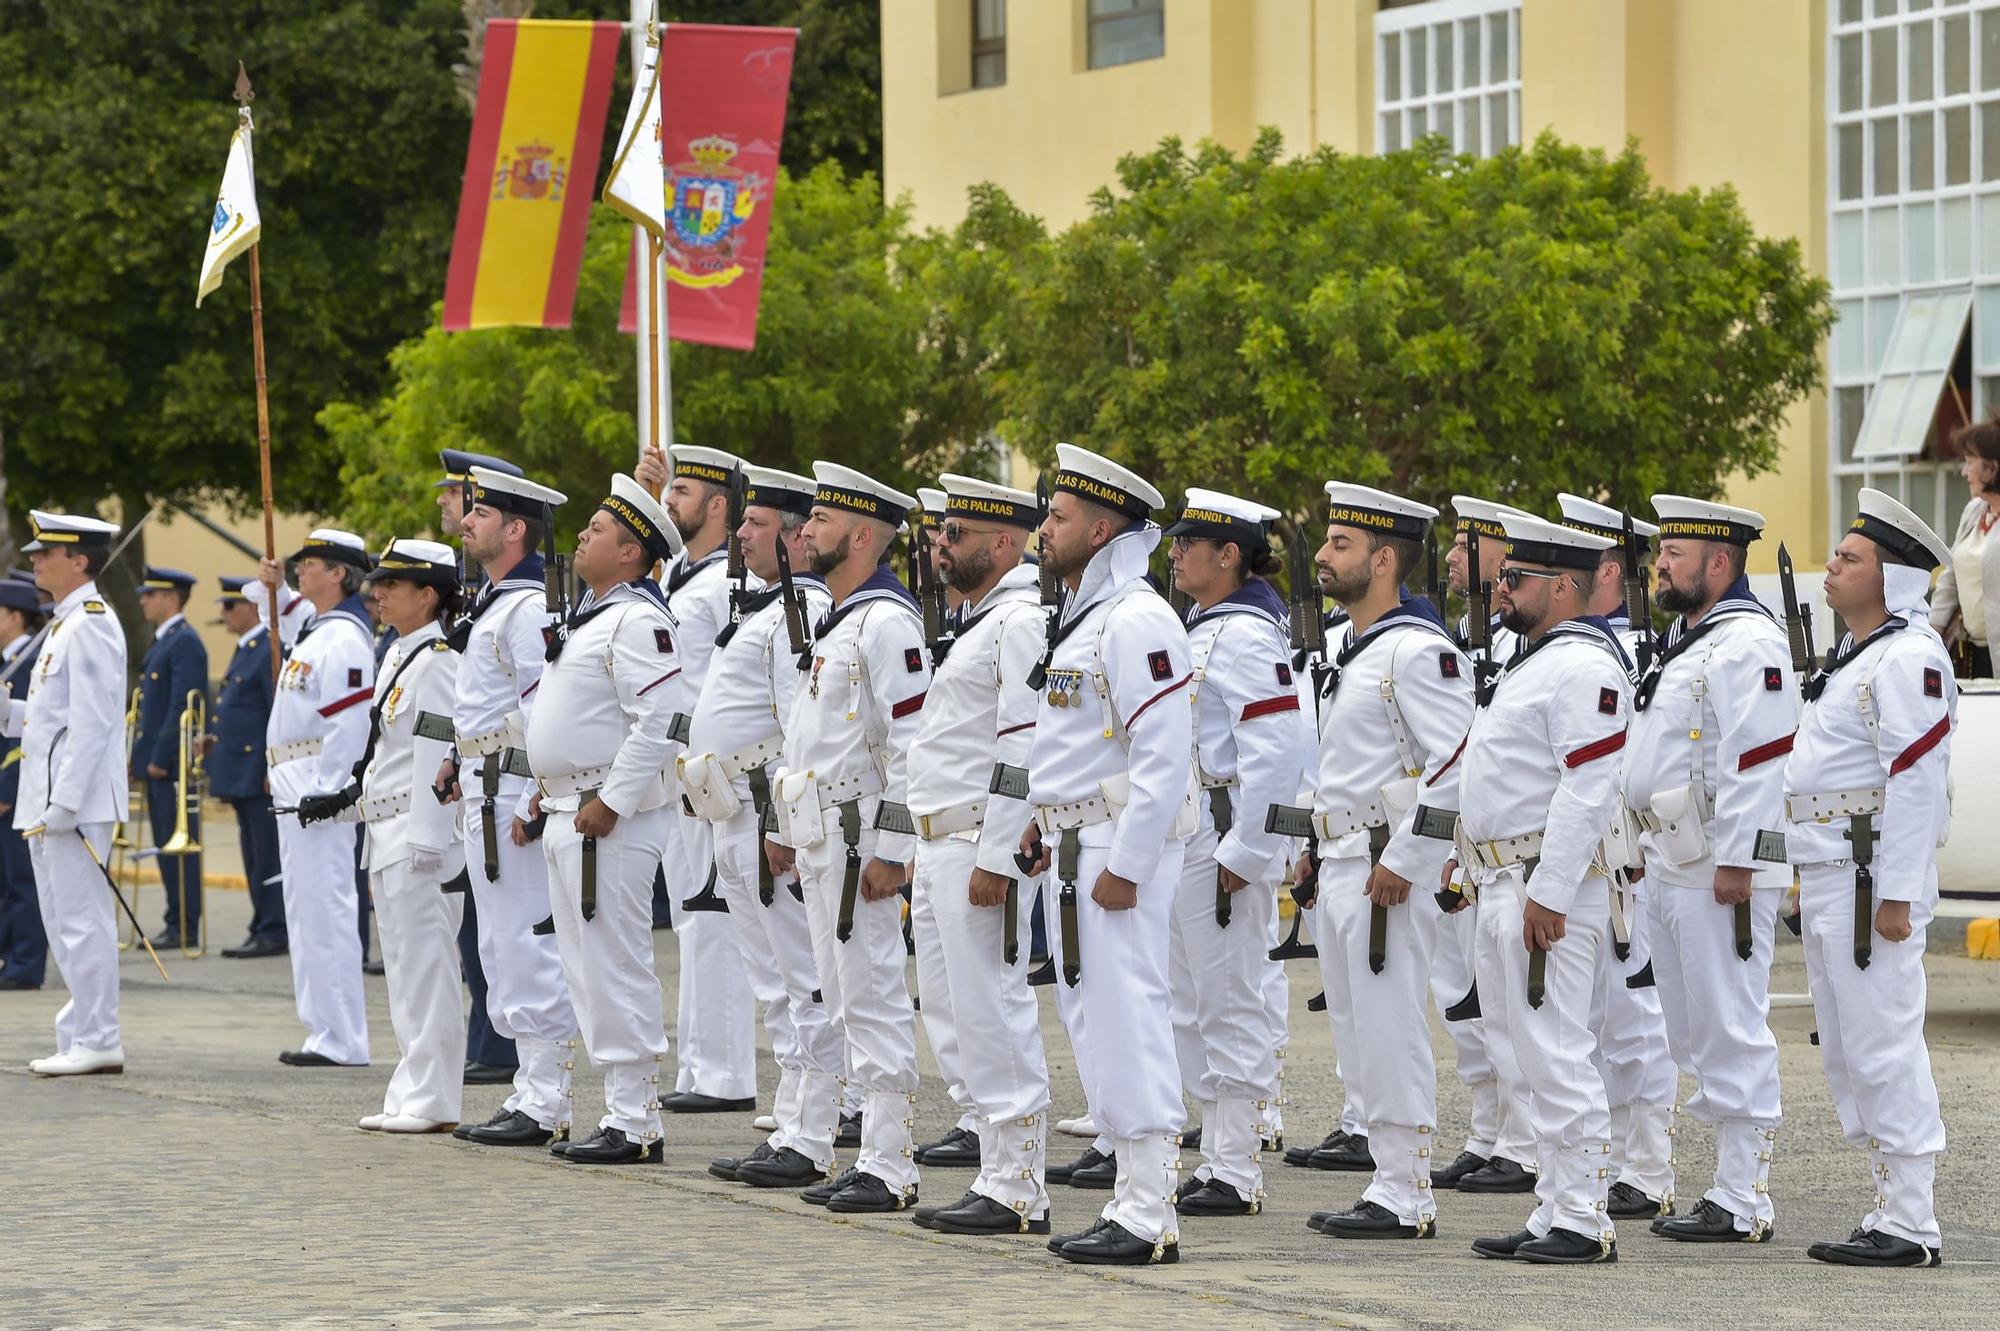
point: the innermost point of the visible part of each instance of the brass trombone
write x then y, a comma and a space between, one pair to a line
189, 779
125, 835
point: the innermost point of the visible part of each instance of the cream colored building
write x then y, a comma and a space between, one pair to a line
1860, 127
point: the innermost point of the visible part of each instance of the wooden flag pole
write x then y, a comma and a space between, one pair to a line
244, 96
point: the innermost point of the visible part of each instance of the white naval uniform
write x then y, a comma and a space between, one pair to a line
499, 674
846, 741
1118, 667
1717, 1005
1880, 729
601, 724
317, 730
736, 722
1390, 741
1541, 757
980, 712
715, 1020
71, 726
1250, 745
418, 923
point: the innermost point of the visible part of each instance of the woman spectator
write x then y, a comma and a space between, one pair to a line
1965, 607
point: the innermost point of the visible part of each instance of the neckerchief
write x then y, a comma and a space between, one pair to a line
1734, 603
756, 601
880, 585
1847, 651
681, 571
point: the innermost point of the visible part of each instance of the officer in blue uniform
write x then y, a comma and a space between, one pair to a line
236, 770
175, 665
24, 948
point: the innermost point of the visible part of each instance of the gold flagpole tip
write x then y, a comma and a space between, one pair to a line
244, 94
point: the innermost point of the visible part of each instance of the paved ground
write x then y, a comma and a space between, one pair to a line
212, 1187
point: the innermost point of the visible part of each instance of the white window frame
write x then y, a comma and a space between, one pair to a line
1468, 104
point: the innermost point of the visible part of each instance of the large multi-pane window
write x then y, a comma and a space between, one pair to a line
1449, 67
1122, 31
1913, 172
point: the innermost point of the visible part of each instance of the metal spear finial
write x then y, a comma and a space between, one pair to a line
244, 93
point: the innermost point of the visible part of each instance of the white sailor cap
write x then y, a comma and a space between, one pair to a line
1682, 518
1533, 540
1377, 511
1589, 515
512, 494
642, 515
768, 487
1097, 478
68, 529
984, 501
427, 562
1224, 517
705, 464
1898, 531
841, 487
1483, 516
336, 547
930, 505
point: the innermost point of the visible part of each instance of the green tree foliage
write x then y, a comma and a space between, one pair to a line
1541, 320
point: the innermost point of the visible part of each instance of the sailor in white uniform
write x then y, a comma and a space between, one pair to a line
1867, 796
72, 789
1250, 752
599, 744
1392, 732
843, 806
1110, 785
1539, 784
1704, 775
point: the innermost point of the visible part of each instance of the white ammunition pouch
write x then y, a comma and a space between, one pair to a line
1676, 818
1118, 793
802, 801
1398, 798
1619, 851
709, 790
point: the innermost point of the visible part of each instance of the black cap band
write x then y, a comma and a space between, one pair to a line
334, 554
860, 501
980, 508
1407, 526
1707, 529
1481, 526
507, 501
1554, 554
778, 497
1102, 492
1896, 541
704, 471
641, 526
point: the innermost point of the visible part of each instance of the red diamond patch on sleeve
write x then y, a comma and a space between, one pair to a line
1160, 664
1774, 679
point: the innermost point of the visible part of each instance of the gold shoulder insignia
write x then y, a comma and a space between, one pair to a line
440, 645
93, 607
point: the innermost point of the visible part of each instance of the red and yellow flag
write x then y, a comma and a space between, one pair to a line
530, 173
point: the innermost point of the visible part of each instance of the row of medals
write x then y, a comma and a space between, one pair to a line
1065, 688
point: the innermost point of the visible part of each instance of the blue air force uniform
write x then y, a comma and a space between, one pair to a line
236, 773
24, 948
175, 665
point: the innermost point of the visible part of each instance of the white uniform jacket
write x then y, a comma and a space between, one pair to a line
72, 722
1405, 656
698, 596
499, 672
319, 717
980, 711
1882, 723
602, 720
752, 677
1122, 654
1543, 755
1710, 724
417, 676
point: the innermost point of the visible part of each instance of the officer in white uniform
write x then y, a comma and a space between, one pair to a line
410, 844
1392, 732
843, 806
735, 740
599, 743
71, 728
969, 806
1713, 720
503, 646
1111, 789
317, 730
1249, 754
1539, 785
1867, 797
1639, 1072
715, 1022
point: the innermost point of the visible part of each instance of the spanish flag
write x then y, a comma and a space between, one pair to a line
530, 173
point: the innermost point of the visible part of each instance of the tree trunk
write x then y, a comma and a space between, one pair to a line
120, 585
8, 555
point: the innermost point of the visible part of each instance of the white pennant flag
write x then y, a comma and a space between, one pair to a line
637, 184
236, 224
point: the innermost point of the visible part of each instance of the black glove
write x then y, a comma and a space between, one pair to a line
442, 788
325, 808
535, 826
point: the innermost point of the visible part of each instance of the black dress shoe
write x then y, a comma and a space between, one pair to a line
1504, 1247
1301, 1156
976, 1214
171, 937
609, 1146
1061, 1241
299, 1058
1191, 1140
1709, 1223
510, 1127
957, 1149
725, 1168
1566, 1247
464, 1130
374, 968
868, 1195
1874, 1248
1115, 1245
848, 1131
1213, 1197
1101, 1173
922, 1215
1499, 1175
487, 1074
1090, 1159
786, 1168
819, 1194
1625, 1202
559, 1148
1367, 1220
694, 1102
253, 948
1449, 1176
1351, 1154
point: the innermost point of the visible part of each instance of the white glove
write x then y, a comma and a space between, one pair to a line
426, 859
58, 820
